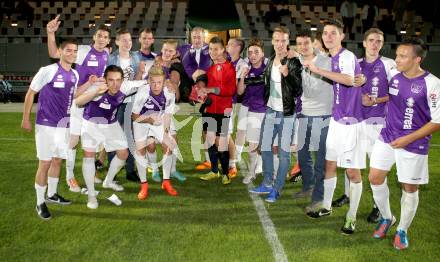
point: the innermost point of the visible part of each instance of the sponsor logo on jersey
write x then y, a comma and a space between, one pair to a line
409, 113
434, 99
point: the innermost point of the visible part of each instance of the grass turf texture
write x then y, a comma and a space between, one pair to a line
206, 222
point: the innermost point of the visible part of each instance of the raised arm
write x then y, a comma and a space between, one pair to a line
52, 27
88, 96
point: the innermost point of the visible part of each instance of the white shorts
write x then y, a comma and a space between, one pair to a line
51, 142
142, 131
372, 133
76, 118
173, 130
110, 135
250, 122
411, 168
345, 145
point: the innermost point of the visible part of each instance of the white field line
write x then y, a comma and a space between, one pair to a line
268, 226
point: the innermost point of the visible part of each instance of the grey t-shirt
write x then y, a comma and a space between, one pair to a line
317, 97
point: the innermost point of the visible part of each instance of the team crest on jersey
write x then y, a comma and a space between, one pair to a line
416, 88
219, 68
93, 57
105, 101
73, 79
335, 66
434, 98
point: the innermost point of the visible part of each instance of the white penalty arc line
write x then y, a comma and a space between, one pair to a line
269, 228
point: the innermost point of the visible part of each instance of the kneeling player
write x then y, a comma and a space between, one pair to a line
100, 126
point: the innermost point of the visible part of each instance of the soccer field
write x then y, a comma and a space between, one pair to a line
206, 222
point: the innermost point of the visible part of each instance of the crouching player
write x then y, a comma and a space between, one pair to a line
152, 111
100, 126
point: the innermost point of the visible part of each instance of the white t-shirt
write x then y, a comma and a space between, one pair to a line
276, 96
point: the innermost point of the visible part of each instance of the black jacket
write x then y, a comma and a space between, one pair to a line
291, 85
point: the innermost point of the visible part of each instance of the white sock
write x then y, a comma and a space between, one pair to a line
232, 163
88, 170
207, 156
40, 191
347, 184
52, 184
252, 162
408, 208
113, 169
355, 198
176, 152
381, 196
166, 168
259, 168
329, 189
70, 163
276, 164
152, 159
141, 166
238, 150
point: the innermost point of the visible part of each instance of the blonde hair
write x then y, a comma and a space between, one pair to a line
156, 71
172, 42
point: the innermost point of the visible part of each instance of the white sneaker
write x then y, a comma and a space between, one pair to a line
97, 180
248, 179
92, 203
113, 186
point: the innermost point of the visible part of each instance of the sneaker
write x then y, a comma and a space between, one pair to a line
400, 240
92, 203
382, 227
178, 176
156, 176
73, 185
143, 193
248, 179
43, 211
273, 196
98, 165
226, 180
295, 178
211, 175
97, 180
261, 190
349, 226
303, 194
112, 185
166, 185
57, 199
341, 201
312, 207
322, 212
374, 216
203, 166
295, 170
232, 172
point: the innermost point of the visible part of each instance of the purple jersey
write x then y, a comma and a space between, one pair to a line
253, 96
56, 87
90, 62
413, 103
154, 104
103, 110
347, 105
377, 73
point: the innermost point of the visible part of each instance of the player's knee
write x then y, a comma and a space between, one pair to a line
375, 178
122, 154
409, 188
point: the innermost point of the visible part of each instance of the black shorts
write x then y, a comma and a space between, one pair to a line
217, 123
